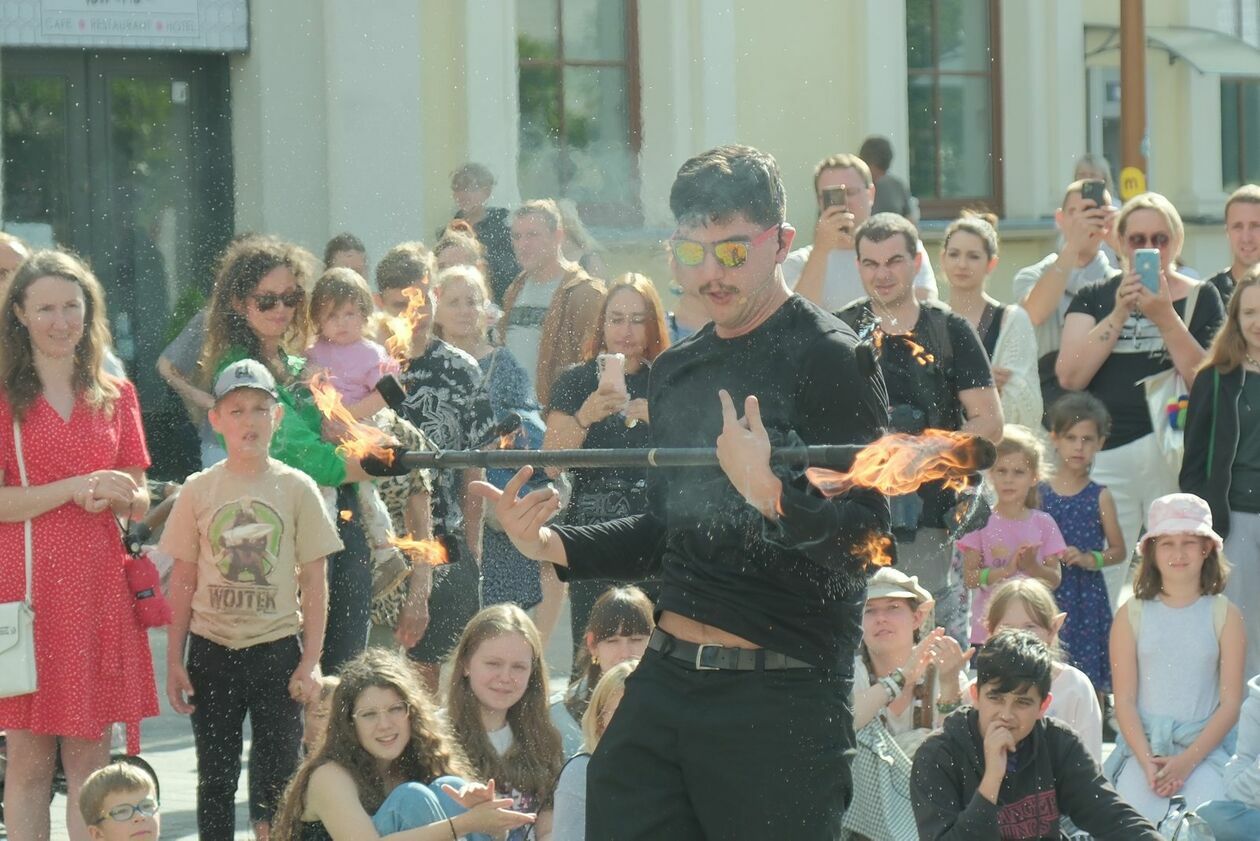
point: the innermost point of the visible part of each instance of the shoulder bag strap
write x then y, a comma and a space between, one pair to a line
21, 460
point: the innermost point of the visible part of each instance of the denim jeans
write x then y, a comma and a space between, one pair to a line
1231, 820
413, 805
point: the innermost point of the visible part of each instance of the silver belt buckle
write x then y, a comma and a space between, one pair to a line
700, 653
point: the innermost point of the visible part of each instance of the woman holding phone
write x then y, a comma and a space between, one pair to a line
602, 403
1145, 319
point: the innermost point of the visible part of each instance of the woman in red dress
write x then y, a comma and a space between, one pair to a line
85, 458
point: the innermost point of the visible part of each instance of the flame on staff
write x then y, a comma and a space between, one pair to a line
346, 515
403, 326
918, 352
360, 439
430, 552
508, 440
898, 464
877, 550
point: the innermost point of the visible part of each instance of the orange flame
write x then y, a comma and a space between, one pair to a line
360, 440
508, 440
402, 328
346, 515
430, 552
898, 464
877, 550
919, 352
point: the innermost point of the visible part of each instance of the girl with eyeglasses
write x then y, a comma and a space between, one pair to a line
387, 768
594, 408
1117, 333
258, 311
497, 708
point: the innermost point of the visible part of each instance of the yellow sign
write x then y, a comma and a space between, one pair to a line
1132, 182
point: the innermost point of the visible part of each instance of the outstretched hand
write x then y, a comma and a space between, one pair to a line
523, 518
743, 450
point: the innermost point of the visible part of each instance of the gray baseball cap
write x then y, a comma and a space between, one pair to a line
247, 373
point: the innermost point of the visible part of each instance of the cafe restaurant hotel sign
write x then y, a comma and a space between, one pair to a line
211, 25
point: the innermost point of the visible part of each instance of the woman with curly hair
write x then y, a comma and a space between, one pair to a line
258, 310
387, 768
497, 707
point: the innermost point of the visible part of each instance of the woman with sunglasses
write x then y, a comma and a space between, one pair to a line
258, 311
1117, 332
594, 407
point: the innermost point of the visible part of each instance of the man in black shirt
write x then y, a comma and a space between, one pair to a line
938, 377
736, 724
1242, 226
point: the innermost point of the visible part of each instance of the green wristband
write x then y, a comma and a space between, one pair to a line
984, 577
1099, 560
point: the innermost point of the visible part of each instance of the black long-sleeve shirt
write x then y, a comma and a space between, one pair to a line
1052, 775
795, 586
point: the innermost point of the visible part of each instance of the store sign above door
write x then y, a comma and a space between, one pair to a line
210, 25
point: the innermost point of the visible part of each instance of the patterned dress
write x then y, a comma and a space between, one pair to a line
1083, 592
92, 657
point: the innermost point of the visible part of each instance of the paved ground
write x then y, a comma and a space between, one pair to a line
167, 745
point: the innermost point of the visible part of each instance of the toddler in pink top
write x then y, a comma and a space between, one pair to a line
1018, 541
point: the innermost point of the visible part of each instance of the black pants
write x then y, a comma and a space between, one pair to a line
227, 684
349, 590
722, 755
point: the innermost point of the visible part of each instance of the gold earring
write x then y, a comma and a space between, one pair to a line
594, 659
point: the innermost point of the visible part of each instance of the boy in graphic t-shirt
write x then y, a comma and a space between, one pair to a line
249, 537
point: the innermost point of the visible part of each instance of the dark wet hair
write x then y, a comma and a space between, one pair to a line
885, 226
717, 185
1077, 406
1012, 661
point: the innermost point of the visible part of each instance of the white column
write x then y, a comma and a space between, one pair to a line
375, 112
1043, 102
491, 88
881, 89
715, 62
279, 124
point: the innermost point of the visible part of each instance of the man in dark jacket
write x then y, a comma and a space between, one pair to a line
1002, 771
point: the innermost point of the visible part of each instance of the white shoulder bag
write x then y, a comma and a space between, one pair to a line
17, 619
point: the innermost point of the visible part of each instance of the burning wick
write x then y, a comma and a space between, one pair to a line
898, 464
360, 440
430, 552
346, 515
403, 326
877, 550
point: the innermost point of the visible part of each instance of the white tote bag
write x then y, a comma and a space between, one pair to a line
17, 619
1167, 396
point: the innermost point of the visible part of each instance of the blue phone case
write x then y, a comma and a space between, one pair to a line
1146, 263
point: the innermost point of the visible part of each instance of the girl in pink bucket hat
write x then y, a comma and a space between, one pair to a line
1177, 663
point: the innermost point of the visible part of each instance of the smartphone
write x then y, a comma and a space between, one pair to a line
612, 372
1146, 264
1093, 190
835, 196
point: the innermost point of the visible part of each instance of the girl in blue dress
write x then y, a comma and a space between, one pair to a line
1086, 515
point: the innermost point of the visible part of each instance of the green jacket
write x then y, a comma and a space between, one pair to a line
298, 441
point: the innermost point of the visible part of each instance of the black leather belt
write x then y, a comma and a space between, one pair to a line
705, 657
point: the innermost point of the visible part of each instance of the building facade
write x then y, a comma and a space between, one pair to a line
144, 132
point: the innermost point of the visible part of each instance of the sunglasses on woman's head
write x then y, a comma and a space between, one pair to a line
267, 301
1155, 240
731, 253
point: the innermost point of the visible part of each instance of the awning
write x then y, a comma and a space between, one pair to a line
1206, 50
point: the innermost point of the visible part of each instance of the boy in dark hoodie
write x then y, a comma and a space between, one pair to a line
999, 770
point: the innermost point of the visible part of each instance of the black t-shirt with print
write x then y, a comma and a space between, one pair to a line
603, 493
795, 585
1139, 352
914, 380
446, 402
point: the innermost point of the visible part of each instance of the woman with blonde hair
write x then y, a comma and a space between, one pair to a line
570, 818
497, 708
72, 462
1117, 333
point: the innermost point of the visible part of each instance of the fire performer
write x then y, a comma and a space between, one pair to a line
735, 725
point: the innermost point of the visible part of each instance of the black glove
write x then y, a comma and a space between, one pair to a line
391, 465
391, 390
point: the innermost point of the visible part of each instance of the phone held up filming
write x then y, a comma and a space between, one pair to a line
1147, 265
